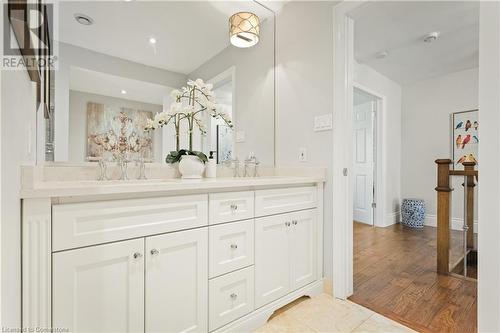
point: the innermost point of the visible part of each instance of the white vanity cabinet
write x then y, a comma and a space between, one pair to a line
176, 282
100, 288
203, 261
285, 254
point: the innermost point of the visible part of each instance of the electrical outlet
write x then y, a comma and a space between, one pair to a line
302, 155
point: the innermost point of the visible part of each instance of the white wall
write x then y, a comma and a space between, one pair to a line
427, 108
69, 56
489, 192
389, 127
304, 89
18, 119
254, 94
78, 121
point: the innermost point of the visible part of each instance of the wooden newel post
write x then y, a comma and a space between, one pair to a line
443, 215
469, 166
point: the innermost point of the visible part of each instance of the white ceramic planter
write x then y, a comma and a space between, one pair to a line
191, 167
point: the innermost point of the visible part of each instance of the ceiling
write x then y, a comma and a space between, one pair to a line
109, 85
188, 33
399, 28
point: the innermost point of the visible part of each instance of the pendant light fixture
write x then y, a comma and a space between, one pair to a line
244, 29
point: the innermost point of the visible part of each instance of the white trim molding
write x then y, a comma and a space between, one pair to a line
456, 223
36, 263
391, 219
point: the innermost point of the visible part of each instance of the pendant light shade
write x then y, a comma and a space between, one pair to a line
244, 29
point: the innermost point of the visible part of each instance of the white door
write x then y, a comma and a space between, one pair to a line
100, 288
272, 258
363, 161
303, 248
177, 282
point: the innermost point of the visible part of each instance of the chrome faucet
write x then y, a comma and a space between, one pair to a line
102, 169
234, 165
142, 168
251, 165
122, 161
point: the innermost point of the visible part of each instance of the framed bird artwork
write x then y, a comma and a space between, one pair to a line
465, 137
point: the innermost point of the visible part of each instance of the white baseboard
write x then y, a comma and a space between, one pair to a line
389, 219
456, 223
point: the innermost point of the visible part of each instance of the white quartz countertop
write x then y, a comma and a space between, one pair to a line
90, 187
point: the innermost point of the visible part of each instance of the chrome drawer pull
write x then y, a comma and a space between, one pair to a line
234, 246
154, 252
137, 255
234, 207
233, 296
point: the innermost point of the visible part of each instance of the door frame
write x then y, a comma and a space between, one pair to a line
378, 157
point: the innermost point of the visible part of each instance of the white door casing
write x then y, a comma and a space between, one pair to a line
363, 162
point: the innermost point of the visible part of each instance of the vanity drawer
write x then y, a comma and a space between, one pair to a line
231, 206
231, 296
276, 201
231, 247
88, 223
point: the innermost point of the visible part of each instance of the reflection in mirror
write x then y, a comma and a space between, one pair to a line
117, 73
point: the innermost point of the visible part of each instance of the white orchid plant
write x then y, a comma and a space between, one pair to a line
190, 103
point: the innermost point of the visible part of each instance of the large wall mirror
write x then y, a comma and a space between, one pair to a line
119, 61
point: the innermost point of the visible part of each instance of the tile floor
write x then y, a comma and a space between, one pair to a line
326, 314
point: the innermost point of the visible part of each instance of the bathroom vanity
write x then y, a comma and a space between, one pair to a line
169, 255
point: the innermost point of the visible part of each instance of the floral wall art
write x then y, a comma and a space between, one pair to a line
465, 137
117, 131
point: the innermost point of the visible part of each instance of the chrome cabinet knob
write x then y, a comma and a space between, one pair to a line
154, 252
137, 255
287, 224
234, 207
234, 246
233, 296
294, 222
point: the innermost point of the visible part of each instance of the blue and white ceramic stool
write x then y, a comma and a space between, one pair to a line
413, 213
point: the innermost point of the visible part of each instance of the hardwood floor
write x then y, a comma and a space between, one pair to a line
395, 275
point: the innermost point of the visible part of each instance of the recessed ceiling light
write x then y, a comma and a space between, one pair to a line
83, 19
431, 37
382, 55
123, 92
152, 40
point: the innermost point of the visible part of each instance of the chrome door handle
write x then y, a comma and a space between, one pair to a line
154, 252
137, 255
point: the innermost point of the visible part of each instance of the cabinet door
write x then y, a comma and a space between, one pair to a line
303, 248
177, 282
272, 259
100, 288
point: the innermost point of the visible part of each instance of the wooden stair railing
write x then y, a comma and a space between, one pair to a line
444, 190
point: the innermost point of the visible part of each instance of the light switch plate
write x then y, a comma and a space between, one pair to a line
323, 123
240, 136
